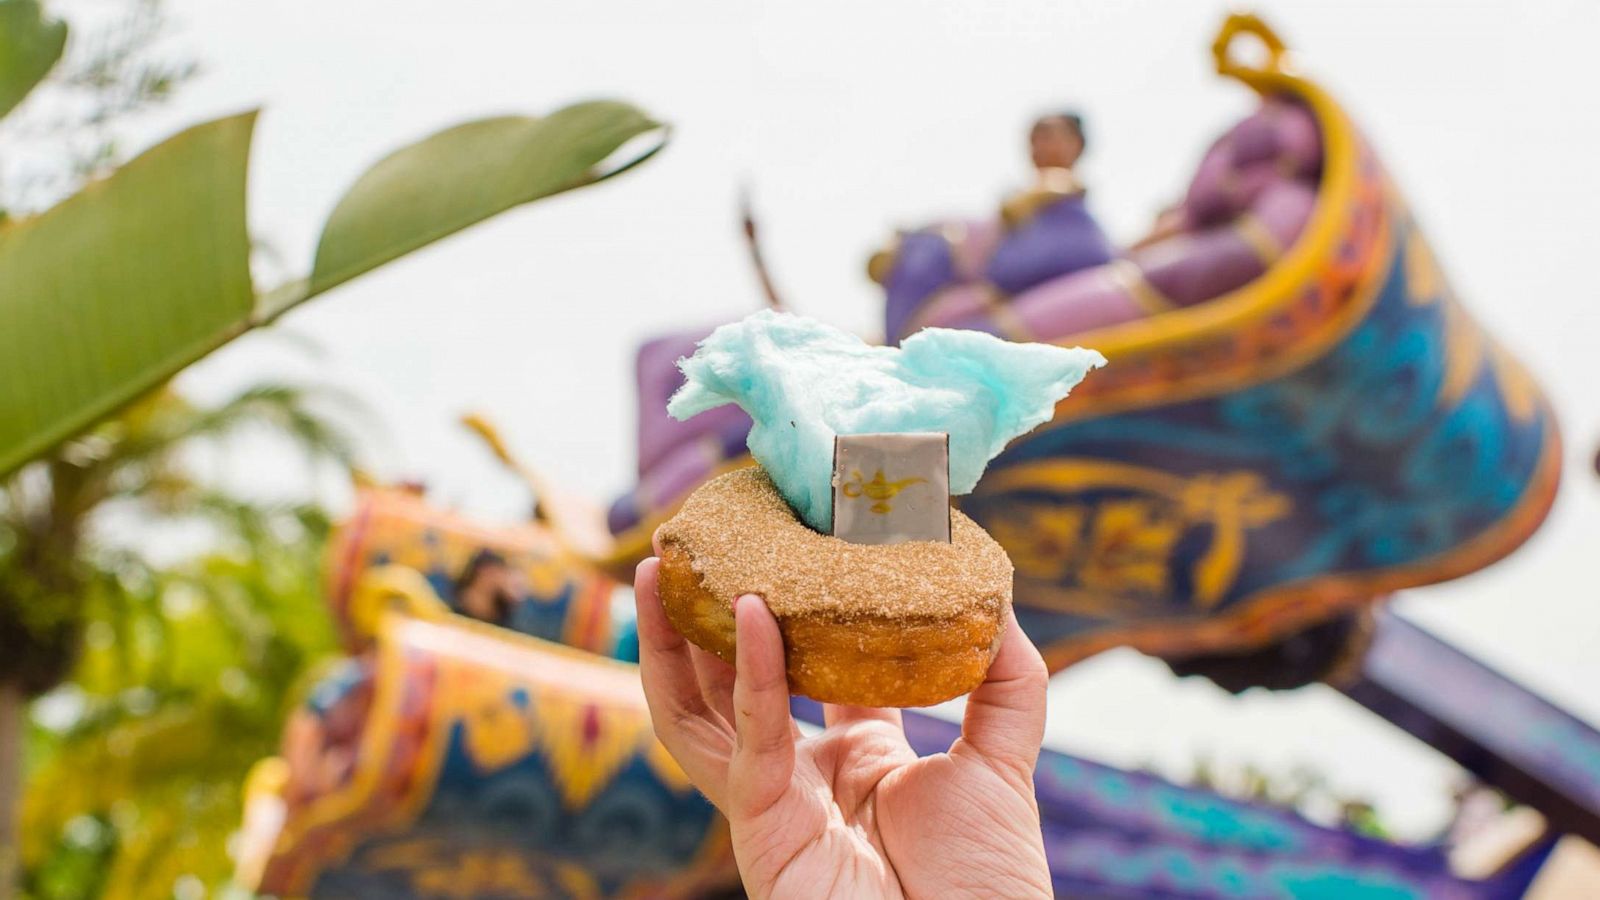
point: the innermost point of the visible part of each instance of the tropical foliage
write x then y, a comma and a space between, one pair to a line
183, 684
185, 668
137, 467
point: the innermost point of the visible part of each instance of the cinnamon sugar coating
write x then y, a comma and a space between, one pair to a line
907, 624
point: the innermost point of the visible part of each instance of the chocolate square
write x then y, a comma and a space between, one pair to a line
889, 488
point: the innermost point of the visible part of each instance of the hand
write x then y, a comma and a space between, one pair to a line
851, 812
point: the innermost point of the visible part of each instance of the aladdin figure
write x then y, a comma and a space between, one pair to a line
1052, 213
1043, 232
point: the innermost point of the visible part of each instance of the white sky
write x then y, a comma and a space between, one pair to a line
849, 118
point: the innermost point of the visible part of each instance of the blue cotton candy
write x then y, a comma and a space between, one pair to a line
804, 382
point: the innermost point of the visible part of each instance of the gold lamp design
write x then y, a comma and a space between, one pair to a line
879, 489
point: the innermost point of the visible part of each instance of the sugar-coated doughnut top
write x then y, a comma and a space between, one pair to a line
803, 382
744, 539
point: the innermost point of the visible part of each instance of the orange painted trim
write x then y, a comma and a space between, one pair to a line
342, 556
303, 857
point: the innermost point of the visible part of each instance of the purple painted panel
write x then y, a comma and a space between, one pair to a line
1495, 728
1115, 834
656, 371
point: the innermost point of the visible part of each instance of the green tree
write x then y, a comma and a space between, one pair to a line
183, 684
63, 574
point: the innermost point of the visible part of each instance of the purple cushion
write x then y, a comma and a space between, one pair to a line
1278, 142
1284, 208
956, 304
1092, 298
1206, 263
1197, 266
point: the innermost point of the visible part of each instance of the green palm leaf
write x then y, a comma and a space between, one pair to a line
29, 46
465, 174
114, 291
120, 286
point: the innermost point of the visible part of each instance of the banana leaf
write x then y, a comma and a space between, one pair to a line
121, 285
30, 44
489, 166
118, 288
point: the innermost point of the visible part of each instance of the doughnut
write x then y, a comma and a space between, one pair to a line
885, 625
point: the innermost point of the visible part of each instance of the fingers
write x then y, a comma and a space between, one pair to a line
843, 715
714, 675
691, 730
716, 682
763, 756
1005, 716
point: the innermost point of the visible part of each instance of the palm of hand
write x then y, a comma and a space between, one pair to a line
865, 817
851, 812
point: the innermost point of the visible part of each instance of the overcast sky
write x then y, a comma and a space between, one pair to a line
849, 118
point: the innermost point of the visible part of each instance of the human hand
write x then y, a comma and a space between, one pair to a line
851, 812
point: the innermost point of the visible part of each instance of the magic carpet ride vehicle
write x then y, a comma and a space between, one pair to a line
1297, 417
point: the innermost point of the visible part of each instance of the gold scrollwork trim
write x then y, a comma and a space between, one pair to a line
1232, 503
1284, 609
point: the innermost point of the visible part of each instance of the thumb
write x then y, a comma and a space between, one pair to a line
1004, 721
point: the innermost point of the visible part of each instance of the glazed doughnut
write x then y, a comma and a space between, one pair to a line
886, 625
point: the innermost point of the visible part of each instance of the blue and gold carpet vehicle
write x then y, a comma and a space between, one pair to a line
1297, 416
